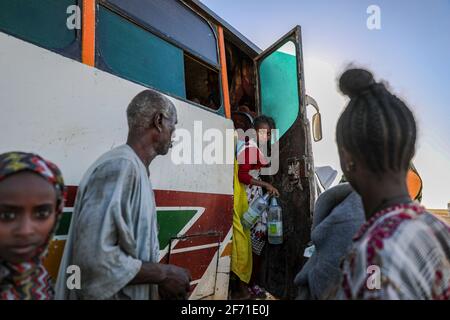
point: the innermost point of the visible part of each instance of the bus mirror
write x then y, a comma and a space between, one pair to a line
317, 127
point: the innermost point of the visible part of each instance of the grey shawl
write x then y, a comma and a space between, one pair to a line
337, 217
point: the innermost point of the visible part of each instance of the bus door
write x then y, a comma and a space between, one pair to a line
281, 95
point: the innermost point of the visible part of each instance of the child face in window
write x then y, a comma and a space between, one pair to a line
27, 215
264, 134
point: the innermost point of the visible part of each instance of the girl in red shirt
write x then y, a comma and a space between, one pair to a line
251, 160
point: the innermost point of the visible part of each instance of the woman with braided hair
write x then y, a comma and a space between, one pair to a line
31, 203
402, 251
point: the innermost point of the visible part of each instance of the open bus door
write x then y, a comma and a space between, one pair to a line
281, 95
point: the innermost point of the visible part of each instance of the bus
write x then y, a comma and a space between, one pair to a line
68, 69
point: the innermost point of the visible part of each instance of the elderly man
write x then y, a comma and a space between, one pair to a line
113, 234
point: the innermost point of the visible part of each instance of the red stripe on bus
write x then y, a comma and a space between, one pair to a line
201, 259
217, 218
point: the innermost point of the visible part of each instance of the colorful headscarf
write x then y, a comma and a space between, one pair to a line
30, 280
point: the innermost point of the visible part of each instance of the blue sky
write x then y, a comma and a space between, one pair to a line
411, 52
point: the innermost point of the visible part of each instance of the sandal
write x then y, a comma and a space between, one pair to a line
257, 291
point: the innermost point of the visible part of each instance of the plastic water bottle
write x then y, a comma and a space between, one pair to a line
254, 211
274, 223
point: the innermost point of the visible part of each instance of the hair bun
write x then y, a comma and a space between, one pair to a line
355, 81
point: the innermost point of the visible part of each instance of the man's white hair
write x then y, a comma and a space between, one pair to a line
145, 105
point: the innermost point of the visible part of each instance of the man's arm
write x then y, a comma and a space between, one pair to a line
173, 281
149, 273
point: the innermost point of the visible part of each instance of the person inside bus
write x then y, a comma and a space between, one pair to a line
402, 251
246, 109
250, 175
242, 90
113, 234
212, 84
31, 203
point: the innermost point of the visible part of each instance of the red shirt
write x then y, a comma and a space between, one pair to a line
251, 158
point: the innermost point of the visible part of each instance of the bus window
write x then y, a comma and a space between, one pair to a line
45, 23
131, 52
202, 83
241, 82
175, 22
134, 53
279, 86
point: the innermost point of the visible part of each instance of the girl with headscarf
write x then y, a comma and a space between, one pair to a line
31, 202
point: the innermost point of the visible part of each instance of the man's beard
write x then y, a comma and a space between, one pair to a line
165, 149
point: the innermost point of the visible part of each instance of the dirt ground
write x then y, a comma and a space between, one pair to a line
444, 215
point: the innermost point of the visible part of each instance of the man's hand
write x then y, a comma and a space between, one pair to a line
173, 281
175, 284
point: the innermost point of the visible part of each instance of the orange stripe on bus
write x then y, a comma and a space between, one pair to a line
88, 33
223, 63
414, 183
227, 251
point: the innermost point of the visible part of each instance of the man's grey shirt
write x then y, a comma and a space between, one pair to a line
113, 230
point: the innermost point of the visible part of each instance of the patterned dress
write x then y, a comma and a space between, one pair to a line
402, 252
251, 160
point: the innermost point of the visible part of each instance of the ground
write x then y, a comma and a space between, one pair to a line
443, 214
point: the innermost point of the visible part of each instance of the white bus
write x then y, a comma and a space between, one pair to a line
68, 69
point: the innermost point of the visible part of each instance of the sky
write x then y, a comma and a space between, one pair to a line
411, 52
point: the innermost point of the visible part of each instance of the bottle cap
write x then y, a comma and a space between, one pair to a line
273, 202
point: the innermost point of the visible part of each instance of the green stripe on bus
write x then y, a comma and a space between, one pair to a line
170, 224
64, 224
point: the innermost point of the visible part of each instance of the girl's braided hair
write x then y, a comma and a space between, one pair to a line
376, 126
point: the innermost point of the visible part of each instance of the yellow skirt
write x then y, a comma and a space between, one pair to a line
241, 255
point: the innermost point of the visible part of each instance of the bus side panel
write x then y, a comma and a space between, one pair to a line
71, 113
